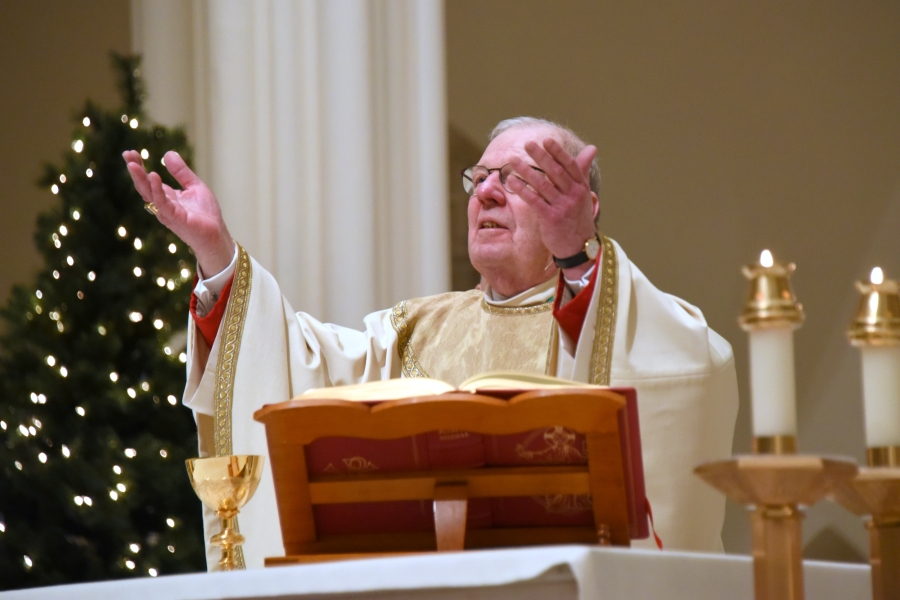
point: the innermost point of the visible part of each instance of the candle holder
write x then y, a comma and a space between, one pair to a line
875, 492
775, 481
775, 487
771, 305
876, 328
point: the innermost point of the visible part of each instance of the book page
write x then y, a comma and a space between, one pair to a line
511, 380
375, 391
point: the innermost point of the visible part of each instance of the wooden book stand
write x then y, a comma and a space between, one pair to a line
292, 425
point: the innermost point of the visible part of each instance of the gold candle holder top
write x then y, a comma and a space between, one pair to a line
771, 301
877, 321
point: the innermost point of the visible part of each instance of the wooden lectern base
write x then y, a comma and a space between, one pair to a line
608, 476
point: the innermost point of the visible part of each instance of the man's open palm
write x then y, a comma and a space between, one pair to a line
192, 213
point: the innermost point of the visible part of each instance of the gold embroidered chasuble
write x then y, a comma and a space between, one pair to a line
633, 336
454, 336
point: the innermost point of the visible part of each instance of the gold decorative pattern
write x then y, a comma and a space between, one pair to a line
514, 311
409, 363
601, 356
232, 329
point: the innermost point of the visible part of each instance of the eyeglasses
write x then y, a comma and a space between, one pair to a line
474, 176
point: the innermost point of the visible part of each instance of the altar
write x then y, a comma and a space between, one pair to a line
558, 572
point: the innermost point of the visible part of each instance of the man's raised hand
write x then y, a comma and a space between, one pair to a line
561, 196
192, 213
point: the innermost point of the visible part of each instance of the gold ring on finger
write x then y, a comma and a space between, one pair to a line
151, 208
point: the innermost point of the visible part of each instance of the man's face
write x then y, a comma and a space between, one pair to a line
504, 232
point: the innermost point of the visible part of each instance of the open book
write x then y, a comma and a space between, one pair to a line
448, 450
496, 383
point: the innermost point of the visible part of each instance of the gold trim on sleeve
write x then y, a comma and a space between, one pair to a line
514, 311
232, 329
604, 332
409, 363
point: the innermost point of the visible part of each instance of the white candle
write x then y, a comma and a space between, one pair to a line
772, 386
881, 395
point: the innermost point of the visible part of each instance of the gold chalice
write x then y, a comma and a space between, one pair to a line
225, 484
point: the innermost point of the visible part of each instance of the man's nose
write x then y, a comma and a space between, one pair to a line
490, 190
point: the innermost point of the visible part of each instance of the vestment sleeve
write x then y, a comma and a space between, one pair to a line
208, 324
262, 353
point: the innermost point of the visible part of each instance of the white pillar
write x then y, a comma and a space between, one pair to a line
321, 127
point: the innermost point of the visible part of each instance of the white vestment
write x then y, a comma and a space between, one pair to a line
633, 336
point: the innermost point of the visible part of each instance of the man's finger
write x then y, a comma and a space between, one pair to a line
538, 182
158, 195
584, 160
551, 167
133, 156
171, 194
140, 180
527, 193
565, 160
179, 170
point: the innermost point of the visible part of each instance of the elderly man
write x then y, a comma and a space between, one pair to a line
556, 298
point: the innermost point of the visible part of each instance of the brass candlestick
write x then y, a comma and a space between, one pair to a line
775, 481
225, 484
875, 492
771, 304
877, 325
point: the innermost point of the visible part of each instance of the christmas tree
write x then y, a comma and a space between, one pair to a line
93, 436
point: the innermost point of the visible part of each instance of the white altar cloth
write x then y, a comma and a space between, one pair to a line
558, 572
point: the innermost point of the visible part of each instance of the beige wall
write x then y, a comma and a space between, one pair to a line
54, 55
723, 128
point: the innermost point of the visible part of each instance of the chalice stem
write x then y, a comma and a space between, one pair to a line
777, 553
229, 540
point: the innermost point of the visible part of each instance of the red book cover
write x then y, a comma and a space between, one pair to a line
463, 450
